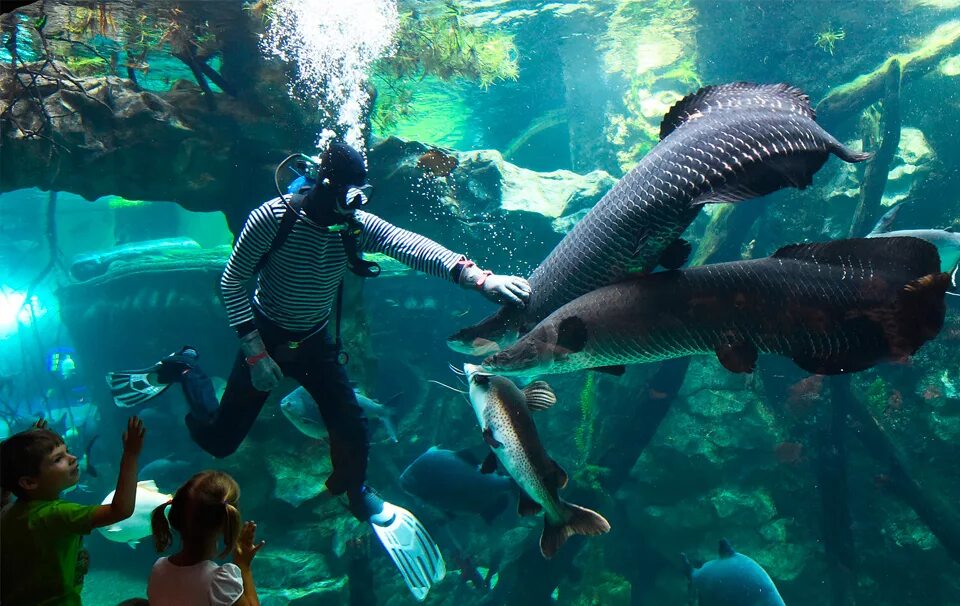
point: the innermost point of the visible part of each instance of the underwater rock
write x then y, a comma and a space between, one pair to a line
913, 160
487, 205
289, 576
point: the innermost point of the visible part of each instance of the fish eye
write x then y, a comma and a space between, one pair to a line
480, 379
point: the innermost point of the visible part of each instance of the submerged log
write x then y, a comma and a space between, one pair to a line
875, 175
848, 100
942, 521
836, 521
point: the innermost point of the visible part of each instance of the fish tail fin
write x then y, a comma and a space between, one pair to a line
918, 313
849, 155
579, 520
488, 335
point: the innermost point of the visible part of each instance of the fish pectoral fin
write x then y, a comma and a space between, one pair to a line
675, 254
738, 356
572, 334
526, 506
558, 475
489, 464
489, 439
539, 396
616, 370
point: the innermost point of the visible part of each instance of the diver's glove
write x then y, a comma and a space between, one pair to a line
503, 290
264, 372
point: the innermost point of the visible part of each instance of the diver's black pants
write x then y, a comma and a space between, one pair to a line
220, 428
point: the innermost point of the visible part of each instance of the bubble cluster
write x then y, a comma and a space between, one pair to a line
333, 45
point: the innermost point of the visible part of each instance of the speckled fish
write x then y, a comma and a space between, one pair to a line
833, 308
732, 579
503, 411
722, 144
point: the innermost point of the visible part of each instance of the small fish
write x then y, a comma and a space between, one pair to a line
883, 224
504, 413
301, 409
438, 163
732, 579
137, 527
452, 482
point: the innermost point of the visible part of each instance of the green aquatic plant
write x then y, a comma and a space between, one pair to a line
444, 46
827, 39
876, 394
653, 46
588, 417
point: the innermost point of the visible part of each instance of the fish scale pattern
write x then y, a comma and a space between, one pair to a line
712, 159
805, 309
735, 143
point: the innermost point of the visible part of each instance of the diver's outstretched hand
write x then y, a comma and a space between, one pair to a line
506, 290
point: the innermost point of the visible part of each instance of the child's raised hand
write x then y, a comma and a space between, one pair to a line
133, 437
246, 547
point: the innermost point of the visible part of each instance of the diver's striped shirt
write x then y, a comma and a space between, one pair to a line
297, 286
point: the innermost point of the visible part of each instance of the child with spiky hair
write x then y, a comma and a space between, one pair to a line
42, 561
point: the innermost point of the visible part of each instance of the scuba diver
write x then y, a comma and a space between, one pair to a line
297, 246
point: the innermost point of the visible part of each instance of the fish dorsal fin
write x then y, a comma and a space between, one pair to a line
725, 549
539, 396
489, 464
148, 485
734, 96
902, 256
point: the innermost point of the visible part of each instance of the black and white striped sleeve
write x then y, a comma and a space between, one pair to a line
411, 249
254, 242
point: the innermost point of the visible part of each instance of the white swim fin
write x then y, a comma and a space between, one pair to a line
412, 549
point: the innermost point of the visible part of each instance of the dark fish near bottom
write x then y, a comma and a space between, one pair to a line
732, 579
833, 308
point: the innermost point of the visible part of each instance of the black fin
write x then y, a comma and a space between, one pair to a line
738, 356
526, 506
539, 396
572, 334
725, 549
734, 96
676, 254
492, 512
558, 476
489, 439
616, 370
773, 174
904, 256
579, 520
489, 464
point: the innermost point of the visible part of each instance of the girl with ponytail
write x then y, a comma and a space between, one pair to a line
203, 511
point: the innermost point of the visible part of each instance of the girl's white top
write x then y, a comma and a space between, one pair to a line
203, 584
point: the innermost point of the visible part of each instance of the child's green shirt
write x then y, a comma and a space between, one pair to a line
41, 556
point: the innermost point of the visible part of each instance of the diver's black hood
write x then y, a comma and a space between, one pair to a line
341, 166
